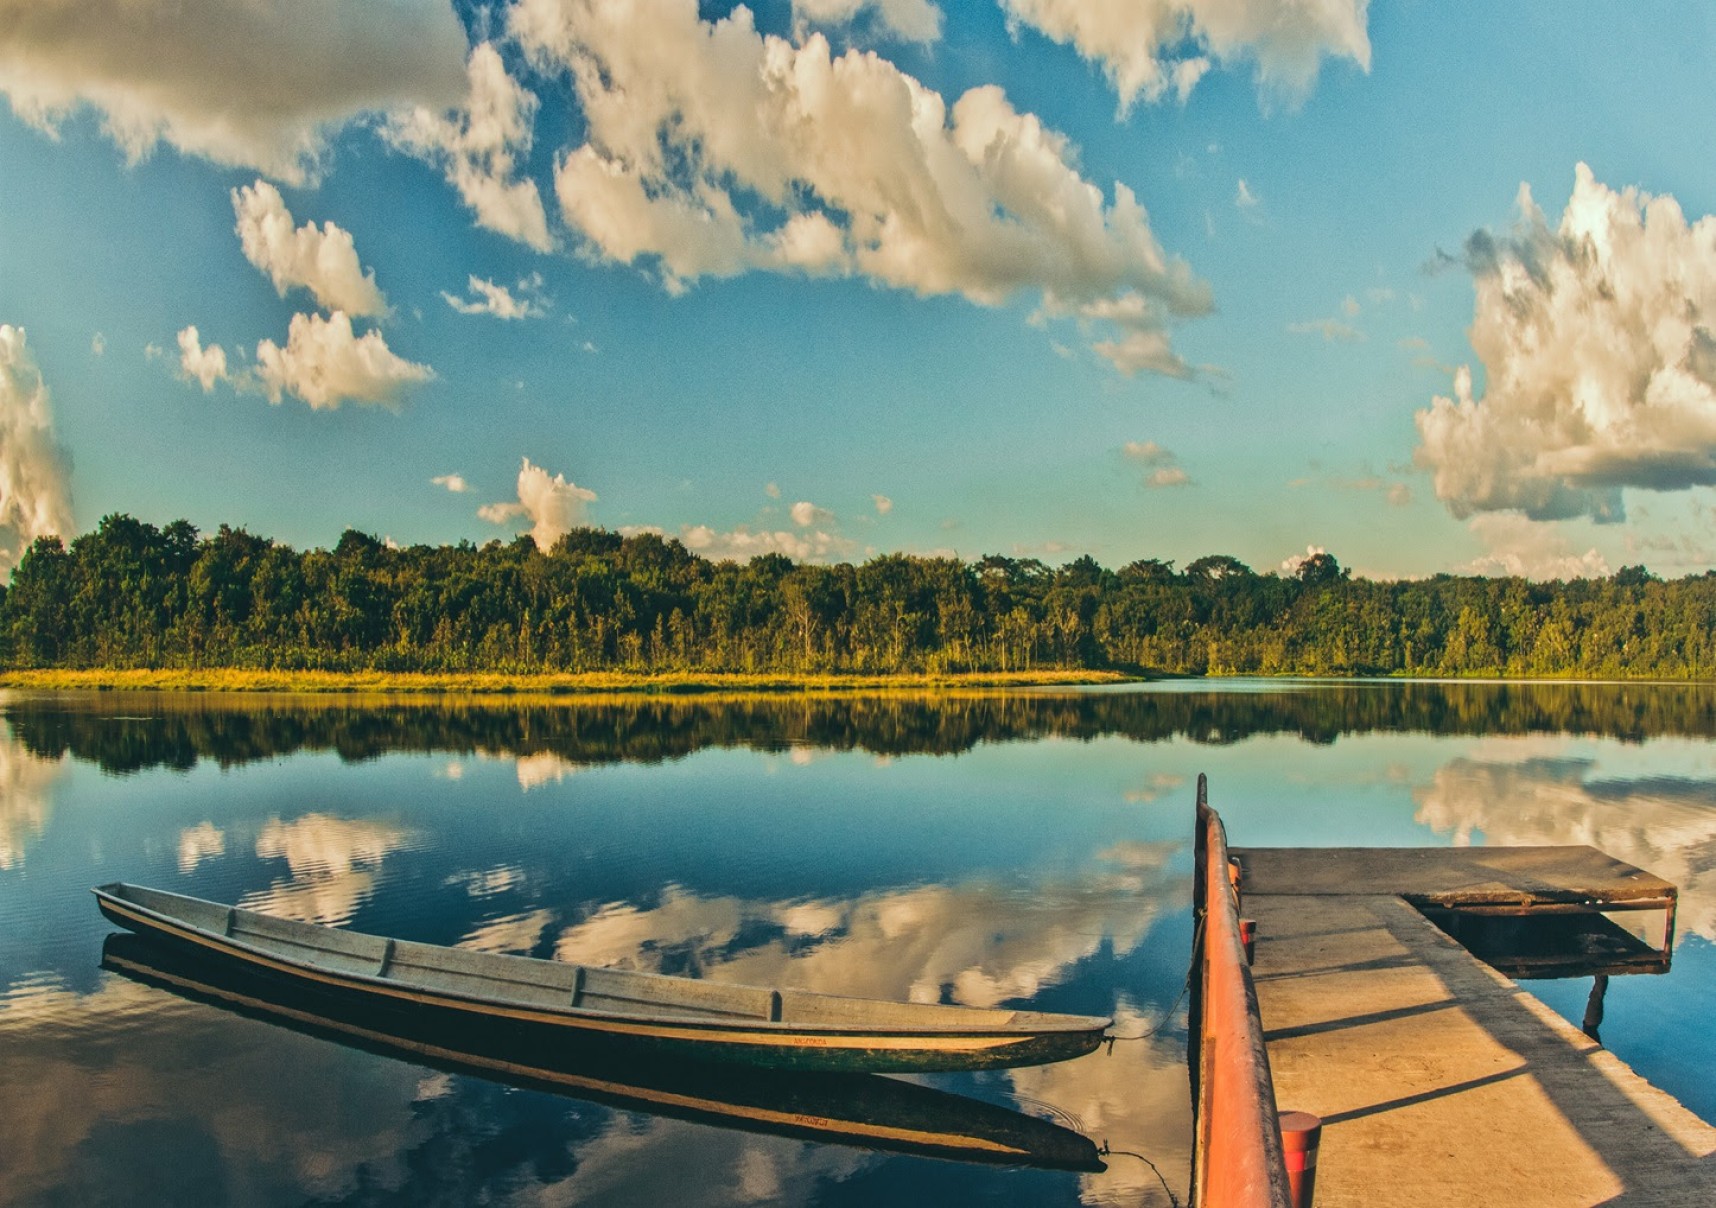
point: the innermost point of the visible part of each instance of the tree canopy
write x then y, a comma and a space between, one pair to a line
131, 595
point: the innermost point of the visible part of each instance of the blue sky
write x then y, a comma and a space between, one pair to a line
855, 276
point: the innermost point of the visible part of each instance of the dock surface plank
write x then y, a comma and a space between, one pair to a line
1497, 875
1441, 1082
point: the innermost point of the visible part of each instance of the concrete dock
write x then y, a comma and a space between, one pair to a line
1440, 1081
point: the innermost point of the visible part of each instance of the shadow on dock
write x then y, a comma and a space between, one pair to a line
1443, 1081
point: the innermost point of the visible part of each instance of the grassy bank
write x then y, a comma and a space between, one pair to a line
603, 682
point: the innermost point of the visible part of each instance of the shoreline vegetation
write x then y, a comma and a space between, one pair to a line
130, 604
590, 683
620, 685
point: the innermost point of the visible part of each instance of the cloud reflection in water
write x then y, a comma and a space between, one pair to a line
982, 942
1550, 794
26, 796
333, 864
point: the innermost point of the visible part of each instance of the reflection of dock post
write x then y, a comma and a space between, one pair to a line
1200, 910
1594, 1007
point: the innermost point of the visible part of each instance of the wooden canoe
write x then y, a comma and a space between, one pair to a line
868, 1111
672, 1017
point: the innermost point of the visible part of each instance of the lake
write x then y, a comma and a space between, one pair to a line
1029, 848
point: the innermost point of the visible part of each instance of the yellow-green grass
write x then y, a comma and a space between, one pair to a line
489, 683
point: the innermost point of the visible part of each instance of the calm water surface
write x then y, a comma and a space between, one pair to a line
1020, 849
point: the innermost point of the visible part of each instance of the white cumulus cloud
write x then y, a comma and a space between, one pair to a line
884, 505
1516, 546
485, 297
325, 364
1155, 48
453, 482
34, 500
804, 514
322, 260
1598, 341
1292, 562
250, 83
554, 506
206, 366
480, 146
741, 544
714, 150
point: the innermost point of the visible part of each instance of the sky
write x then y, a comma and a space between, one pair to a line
1431, 287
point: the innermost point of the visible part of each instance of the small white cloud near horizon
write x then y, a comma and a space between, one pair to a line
1163, 464
1598, 343
884, 505
741, 544
35, 500
322, 260
97, 345
485, 297
804, 514
1518, 547
1151, 49
1292, 562
453, 482
1244, 198
554, 506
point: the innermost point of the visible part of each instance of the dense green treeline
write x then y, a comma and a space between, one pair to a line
132, 595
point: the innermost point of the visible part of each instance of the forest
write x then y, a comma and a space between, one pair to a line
131, 595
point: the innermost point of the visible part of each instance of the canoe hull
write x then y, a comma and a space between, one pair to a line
748, 1043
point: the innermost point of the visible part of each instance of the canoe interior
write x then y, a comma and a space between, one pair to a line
562, 987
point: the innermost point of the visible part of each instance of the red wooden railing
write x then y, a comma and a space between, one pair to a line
1237, 1158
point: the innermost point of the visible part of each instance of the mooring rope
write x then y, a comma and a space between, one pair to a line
1185, 988
1105, 1151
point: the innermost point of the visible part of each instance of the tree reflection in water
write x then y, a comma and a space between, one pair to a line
176, 730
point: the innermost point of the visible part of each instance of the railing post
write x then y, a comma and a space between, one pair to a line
1301, 1133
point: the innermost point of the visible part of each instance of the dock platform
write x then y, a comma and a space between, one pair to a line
1439, 1080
